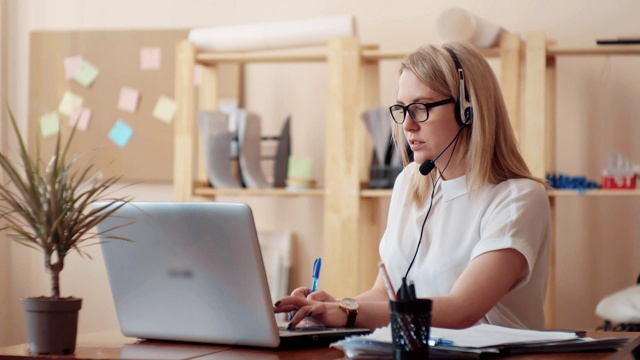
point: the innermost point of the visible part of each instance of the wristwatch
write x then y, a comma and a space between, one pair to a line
350, 307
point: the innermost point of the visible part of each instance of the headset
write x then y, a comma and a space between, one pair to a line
464, 109
463, 112
464, 117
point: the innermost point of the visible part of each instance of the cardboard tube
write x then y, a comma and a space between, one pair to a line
272, 35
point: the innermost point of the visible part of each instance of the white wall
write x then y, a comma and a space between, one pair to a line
598, 244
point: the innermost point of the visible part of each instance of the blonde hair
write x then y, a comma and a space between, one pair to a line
488, 146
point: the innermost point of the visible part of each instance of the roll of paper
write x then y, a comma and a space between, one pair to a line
272, 35
456, 24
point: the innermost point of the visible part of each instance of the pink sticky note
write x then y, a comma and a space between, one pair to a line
128, 100
71, 66
197, 75
150, 58
80, 118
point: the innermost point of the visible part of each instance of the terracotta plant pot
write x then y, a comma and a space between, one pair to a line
52, 325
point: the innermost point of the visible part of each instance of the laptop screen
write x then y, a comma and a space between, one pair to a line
189, 272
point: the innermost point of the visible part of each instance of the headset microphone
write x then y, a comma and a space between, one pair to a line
428, 165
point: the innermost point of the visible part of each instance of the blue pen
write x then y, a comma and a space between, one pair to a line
316, 274
440, 341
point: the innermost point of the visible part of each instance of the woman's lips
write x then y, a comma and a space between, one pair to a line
416, 144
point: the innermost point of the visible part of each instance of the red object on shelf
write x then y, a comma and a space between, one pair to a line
619, 182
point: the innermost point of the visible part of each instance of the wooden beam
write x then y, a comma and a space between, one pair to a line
534, 124
341, 244
183, 143
510, 63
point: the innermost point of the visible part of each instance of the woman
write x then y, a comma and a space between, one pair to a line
473, 235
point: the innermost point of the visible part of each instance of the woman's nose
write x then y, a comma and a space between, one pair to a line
408, 123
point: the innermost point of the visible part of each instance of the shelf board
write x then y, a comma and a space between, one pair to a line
597, 192
375, 193
257, 57
207, 191
374, 55
555, 50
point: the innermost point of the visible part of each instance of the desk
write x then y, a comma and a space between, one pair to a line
115, 346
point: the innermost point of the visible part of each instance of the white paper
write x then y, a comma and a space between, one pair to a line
483, 335
272, 35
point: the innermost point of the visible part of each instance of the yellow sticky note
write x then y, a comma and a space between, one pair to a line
49, 124
300, 167
165, 109
69, 103
87, 74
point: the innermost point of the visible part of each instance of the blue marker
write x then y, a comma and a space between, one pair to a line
316, 274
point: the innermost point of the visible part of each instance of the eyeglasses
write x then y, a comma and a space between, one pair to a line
419, 111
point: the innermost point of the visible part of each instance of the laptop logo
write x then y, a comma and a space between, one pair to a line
180, 273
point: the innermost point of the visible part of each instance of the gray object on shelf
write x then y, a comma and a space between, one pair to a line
217, 140
249, 142
281, 165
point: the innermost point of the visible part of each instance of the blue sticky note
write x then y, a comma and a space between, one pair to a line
121, 133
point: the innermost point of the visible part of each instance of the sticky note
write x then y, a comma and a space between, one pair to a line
121, 133
197, 75
69, 102
150, 58
165, 109
87, 74
49, 124
80, 118
128, 100
72, 65
300, 167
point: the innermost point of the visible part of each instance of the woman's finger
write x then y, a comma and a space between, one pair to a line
299, 316
302, 292
320, 296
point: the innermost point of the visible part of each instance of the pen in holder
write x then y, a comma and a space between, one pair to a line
410, 325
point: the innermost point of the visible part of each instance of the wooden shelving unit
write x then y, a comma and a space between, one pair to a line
351, 223
539, 145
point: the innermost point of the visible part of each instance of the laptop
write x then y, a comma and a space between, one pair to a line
193, 271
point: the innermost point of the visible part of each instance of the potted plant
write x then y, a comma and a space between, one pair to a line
51, 207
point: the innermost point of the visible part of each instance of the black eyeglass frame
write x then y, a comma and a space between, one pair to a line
427, 106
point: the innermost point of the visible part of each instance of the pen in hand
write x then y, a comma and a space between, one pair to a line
316, 274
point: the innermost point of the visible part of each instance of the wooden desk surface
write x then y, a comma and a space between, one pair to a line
112, 345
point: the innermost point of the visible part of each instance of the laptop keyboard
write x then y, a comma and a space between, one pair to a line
283, 329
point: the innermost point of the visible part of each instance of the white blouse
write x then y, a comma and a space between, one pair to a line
513, 214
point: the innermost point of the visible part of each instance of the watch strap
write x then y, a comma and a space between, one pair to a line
351, 318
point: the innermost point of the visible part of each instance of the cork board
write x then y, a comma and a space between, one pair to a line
148, 154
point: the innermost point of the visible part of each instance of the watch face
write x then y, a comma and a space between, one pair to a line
349, 304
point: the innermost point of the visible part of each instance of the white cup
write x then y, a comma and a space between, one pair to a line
456, 24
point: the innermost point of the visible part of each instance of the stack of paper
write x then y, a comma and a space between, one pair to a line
481, 339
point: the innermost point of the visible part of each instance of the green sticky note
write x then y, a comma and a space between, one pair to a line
87, 74
69, 103
300, 167
49, 124
165, 109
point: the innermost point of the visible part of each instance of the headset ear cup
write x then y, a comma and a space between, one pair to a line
468, 116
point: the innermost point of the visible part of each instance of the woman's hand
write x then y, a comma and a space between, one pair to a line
325, 309
305, 292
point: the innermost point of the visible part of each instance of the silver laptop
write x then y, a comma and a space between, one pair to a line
194, 272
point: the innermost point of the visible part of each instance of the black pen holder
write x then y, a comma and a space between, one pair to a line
410, 325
